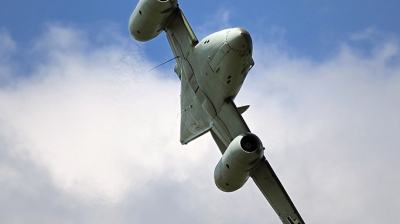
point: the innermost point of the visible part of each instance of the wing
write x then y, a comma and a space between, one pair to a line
231, 124
180, 35
194, 120
269, 184
228, 124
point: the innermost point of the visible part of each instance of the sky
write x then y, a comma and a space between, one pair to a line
89, 135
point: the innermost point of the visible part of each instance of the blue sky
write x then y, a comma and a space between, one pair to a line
309, 28
89, 135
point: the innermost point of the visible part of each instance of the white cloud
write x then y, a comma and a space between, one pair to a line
332, 129
91, 137
89, 123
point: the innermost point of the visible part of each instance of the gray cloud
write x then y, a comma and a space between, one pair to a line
91, 137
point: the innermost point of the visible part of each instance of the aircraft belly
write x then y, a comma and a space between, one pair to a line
218, 56
230, 68
212, 86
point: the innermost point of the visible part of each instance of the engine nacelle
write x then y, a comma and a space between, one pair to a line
241, 156
150, 17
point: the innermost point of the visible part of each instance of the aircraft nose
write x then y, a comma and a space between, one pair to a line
239, 39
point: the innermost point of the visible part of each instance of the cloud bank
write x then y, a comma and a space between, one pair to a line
88, 135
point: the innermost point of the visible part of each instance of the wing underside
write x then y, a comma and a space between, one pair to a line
180, 35
227, 125
273, 190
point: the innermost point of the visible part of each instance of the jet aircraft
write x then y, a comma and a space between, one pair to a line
212, 72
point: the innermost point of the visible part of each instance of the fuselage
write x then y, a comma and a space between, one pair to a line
221, 62
212, 72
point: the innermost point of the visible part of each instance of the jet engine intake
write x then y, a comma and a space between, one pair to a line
150, 18
241, 156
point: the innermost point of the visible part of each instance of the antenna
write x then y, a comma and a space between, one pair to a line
164, 63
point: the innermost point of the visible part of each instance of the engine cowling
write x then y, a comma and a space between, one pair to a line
241, 156
150, 17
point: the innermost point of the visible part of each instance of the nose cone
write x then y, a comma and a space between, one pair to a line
239, 39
